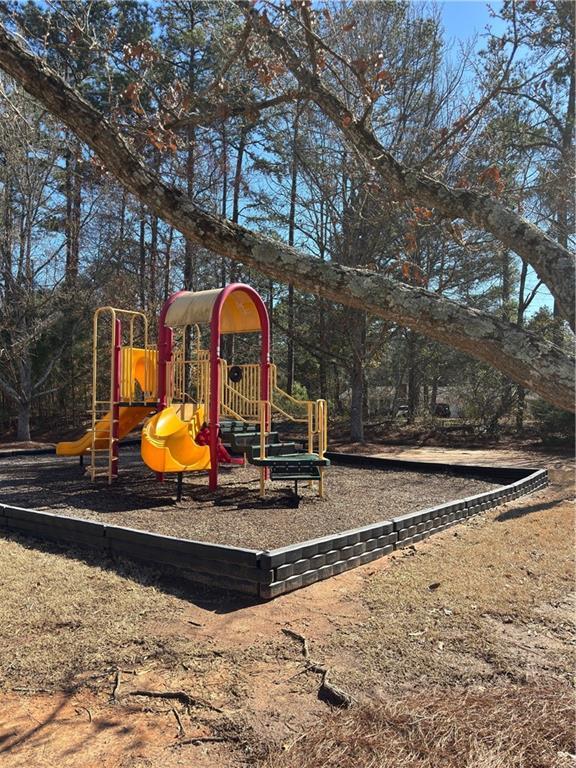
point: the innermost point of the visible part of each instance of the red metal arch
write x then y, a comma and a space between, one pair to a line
215, 335
165, 355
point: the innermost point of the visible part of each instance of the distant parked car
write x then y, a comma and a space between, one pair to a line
442, 410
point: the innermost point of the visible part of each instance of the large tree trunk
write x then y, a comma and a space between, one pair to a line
433, 396
153, 292
224, 206
153, 288
553, 263
237, 185
322, 361
168, 263
357, 322
357, 400
337, 396
290, 351
229, 341
25, 395
414, 377
322, 308
189, 247
290, 359
6, 236
522, 356
520, 391
142, 259
73, 208
23, 428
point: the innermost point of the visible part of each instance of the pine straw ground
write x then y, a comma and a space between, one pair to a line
517, 727
458, 653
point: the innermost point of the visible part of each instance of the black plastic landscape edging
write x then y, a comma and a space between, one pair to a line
305, 563
267, 574
218, 565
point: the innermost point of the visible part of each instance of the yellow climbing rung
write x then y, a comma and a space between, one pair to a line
135, 379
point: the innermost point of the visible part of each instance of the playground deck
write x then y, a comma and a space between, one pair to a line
232, 515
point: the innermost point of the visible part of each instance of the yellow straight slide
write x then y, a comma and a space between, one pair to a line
129, 418
168, 443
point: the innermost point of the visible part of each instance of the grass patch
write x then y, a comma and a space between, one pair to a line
63, 617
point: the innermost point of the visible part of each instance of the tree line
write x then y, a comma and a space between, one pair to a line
399, 208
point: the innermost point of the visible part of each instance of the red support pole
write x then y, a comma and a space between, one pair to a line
215, 333
265, 362
115, 414
165, 335
214, 397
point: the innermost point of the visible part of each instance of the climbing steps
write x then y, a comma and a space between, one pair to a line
244, 439
283, 459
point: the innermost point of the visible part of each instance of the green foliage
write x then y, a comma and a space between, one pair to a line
552, 422
299, 391
485, 397
551, 328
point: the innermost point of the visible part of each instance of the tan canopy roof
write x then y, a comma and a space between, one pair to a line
239, 313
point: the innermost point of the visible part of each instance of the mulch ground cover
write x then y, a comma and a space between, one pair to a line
234, 514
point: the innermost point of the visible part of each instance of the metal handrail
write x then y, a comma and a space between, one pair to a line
235, 415
322, 425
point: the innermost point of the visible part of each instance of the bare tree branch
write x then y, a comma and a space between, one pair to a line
522, 356
206, 114
554, 264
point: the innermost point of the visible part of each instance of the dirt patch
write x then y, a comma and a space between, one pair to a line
83, 729
234, 514
23, 445
434, 619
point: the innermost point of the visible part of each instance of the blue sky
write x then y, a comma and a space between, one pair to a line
464, 19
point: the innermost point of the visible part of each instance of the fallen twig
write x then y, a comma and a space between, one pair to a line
318, 668
31, 690
116, 686
300, 638
328, 692
208, 739
181, 731
80, 707
181, 696
333, 695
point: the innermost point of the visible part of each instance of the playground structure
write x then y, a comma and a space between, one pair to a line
176, 387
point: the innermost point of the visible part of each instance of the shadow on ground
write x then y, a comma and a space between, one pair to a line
168, 579
527, 509
68, 486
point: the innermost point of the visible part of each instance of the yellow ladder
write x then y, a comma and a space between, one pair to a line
103, 456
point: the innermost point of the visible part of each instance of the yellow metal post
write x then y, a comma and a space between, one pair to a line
322, 426
263, 422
